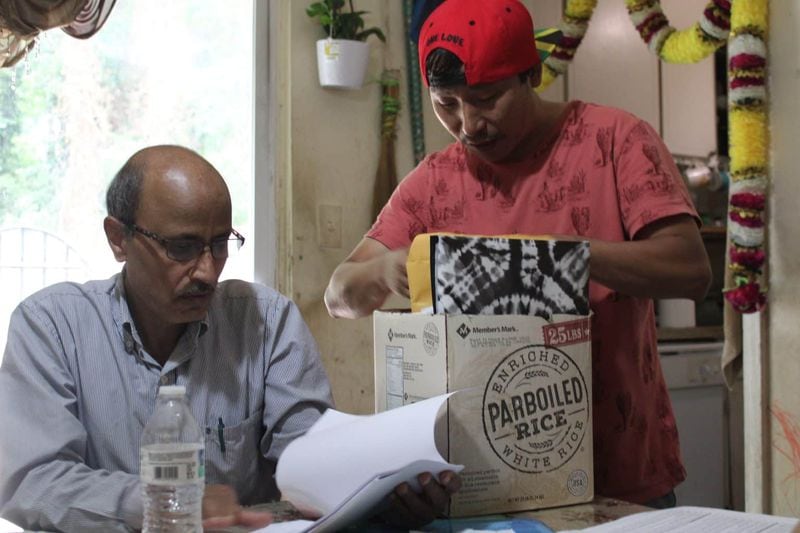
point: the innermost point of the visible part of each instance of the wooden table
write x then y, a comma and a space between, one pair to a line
599, 511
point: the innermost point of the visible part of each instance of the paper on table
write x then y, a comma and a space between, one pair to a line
346, 464
295, 526
697, 520
8, 527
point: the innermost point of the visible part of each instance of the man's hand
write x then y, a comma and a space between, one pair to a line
221, 509
364, 280
410, 510
395, 276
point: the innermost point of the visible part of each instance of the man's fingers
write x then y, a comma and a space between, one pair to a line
398, 514
219, 522
221, 509
255, 518
219, 501
435, 493
450, 481
402, 290
400, 286
411, 510
395, 273
419, 511
241, 518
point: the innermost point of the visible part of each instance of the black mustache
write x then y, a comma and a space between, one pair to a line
199, 289
476, 140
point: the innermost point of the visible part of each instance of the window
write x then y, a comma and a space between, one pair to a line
72, 112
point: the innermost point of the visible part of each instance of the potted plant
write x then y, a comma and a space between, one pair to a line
343, 56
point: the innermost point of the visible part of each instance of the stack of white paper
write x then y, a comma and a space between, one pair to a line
345, 465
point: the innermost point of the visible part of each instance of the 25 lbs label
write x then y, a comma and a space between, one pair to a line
566, 333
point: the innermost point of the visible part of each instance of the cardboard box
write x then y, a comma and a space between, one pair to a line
522, 423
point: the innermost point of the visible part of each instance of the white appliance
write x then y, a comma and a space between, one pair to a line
699, 399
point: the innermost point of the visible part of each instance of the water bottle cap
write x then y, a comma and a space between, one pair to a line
172, 390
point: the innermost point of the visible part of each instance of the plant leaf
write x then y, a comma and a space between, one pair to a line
342, 25
362, 36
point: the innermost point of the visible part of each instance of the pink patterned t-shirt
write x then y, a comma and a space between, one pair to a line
605, 175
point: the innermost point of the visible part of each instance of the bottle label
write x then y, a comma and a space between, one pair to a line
166, 466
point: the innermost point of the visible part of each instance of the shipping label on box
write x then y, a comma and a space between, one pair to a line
521, 423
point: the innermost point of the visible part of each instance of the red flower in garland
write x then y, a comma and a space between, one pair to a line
747, 200
746, 298
752, 258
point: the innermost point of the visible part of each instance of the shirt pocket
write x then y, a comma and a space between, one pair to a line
234, 457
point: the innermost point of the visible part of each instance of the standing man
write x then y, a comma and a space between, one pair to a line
523, 165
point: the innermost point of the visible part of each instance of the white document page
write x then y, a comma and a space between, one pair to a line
8, 527
346, 464
697, 520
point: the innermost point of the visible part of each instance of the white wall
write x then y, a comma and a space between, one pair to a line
332, 156
783, 336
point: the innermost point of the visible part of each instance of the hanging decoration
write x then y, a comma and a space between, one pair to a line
681, 46
386, 175
91, 18
13, 46
743, 25
414, 14
574, 24
22, 21
673, 46
749, 146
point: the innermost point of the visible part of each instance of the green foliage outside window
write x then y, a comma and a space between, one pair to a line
73, 110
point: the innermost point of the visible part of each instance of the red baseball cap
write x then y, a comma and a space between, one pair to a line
493, 38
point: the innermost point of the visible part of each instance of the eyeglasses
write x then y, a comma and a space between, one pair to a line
183, 250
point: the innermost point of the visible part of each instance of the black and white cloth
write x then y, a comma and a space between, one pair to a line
499, 275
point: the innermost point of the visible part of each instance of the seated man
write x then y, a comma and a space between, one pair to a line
83, 363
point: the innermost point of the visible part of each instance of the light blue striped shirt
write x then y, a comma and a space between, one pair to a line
76, 388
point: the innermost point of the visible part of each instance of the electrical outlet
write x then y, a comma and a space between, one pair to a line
329, 226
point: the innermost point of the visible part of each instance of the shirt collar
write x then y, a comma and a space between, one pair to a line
122, 315
127, 327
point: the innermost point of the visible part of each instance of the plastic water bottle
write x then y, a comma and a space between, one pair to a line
172, 466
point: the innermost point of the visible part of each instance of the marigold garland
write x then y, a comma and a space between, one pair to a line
673, 46
574, 24
749, 145
681, 46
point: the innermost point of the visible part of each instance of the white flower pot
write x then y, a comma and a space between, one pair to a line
342, 63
